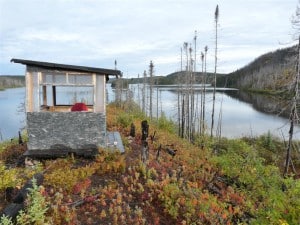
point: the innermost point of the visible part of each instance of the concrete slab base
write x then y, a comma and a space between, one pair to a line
114, 141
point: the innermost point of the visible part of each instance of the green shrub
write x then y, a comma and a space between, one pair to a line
171, 192
262, 184
8, 178
267, 141
36, 207
4, 220
124, 119
166, 124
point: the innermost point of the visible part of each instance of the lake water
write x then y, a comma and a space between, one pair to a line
239, 117
252, 116
12, 116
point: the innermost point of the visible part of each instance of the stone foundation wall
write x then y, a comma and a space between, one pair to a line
65, 131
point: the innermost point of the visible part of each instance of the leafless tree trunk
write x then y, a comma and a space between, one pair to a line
180, 59
215, 73
191, 96
204, 91
294, 114
185, 96
179, 95
138, 89
193, 73
182, 116
144, 93
157, 103
195, 48
195, 110
178, 110
151, 73
118, 95
219, 125
202, 95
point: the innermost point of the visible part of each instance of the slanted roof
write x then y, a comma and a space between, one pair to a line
56, 66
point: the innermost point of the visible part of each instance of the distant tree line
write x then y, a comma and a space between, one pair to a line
173, 78
12, 81
272, 71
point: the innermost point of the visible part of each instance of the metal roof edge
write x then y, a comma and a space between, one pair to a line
50, 65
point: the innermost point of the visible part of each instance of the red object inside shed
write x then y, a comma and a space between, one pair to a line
79, 107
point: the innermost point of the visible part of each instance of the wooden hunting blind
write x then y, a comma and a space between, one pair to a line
51, 91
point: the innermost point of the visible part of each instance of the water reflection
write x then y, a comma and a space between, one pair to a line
242, 114
265, 103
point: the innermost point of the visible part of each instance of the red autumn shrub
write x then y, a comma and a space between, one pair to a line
82, 186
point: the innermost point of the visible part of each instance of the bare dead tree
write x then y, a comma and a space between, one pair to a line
204, 90
219, 125
181, 59
179, 95
295, 97
196, 101
138, 91
193, 113
195, 53
293, 115
215, 72
202, 94
182, 115
144, 93
118, 95
185, 97
151, 74
191, 95
185, 48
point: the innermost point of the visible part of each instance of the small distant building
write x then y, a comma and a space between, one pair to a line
51, 91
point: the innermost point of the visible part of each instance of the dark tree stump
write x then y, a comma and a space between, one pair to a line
132, 130
145, 151
13, 209
145, 130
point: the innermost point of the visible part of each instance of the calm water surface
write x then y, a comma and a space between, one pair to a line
239, 118
12, 116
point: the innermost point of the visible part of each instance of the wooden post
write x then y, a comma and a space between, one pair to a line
54, 95
29, 92
99, 93
44, 95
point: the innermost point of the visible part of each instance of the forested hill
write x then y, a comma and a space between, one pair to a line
173, 78
12, 81
180, 77
273, 71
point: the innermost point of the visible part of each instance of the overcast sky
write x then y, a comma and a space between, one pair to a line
133, 32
